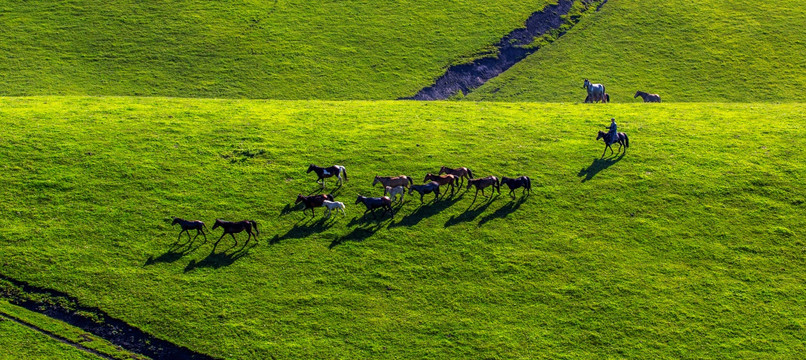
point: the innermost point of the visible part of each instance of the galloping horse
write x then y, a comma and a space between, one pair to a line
446, 179
373, 203
595, 91
331, 205
313, 201
432, 187
482, 183
393, 181
236, 227
514, 183
460, 172
326, 172
190, 225
647, 97
623, 140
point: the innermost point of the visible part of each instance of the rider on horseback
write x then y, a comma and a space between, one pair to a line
613, 133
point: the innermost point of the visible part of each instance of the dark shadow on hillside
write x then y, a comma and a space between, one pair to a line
471, 212
598, 165
305, 228
217, 260
177, 251
505, 210
425, 210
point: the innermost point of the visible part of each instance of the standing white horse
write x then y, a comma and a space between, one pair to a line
394, 191
595, 91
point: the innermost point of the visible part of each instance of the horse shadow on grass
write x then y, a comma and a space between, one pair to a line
425, 210
598, 165
358, 234
225, 258
471, 212
305, 228
177, 251
505, 210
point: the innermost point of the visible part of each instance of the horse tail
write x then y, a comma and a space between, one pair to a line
626, 141
607, 98
469, 173
528, 183
254, 223
411, 181
344, 171
498, 184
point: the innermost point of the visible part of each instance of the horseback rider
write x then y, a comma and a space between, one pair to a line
613, 133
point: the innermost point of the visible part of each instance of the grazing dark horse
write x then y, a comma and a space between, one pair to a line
595, 98
446, 179
393, 181
373, 203
326, 172
190, 225
623, 140
647, 97
232, 228
482, 183
460, 172
431, 187
595, 91
312, 201
514, 183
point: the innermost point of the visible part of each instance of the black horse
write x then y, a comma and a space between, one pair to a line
326, 172
373, 203
431, 187
623, 141
231, 228
514, 183
190, 225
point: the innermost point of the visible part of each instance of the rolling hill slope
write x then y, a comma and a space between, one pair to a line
281, 49
687, 247
714, 50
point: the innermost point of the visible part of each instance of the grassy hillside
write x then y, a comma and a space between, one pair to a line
285, 49
714, 50
687, 247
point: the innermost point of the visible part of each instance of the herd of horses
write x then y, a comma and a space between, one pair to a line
394, 186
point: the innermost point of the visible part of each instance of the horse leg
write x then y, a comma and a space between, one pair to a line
180, 235
605, 150
611, 148
219, 239
205, 235
233, 238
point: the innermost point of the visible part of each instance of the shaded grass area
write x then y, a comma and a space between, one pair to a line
715, 50
287, 49
688, 246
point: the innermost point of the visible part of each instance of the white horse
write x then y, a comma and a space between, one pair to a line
331, 205
595, 91
394, 191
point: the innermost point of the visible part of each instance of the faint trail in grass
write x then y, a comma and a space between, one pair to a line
54, 335
63, 307
511, 49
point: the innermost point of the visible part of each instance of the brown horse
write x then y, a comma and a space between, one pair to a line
373, 203
482, 183
647, 97
623, 140
514, 183
446, 179
393, 181
190, 225
326, 172
592, 98
460, 172
312, 201
232, 228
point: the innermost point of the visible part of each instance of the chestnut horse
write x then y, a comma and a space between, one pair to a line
460, 172
231, 228
326, 172
446, 179
594, 98
312, 201
373, 203
393, 181
190, 225
623, 140
432, 187
482, 183
647, 97
514, 183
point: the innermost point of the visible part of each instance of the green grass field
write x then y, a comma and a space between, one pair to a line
704, 51
253, 49
689, 246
